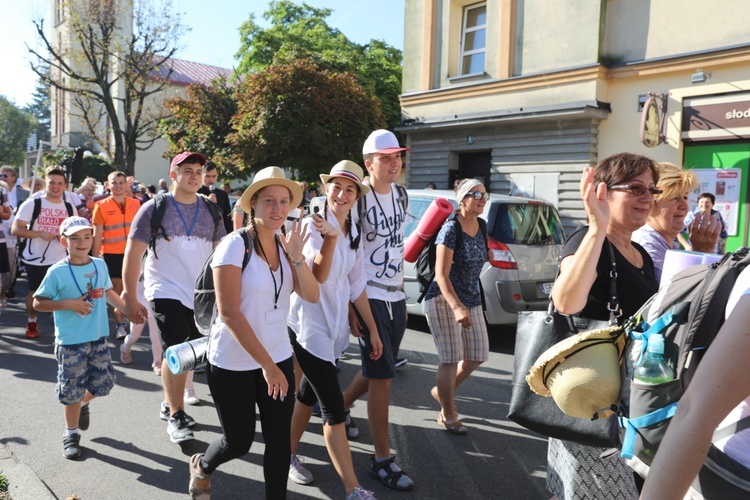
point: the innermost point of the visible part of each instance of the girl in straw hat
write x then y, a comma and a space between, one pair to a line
320, 331
249, 354
618, 195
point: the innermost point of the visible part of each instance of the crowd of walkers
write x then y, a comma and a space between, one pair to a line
288, 303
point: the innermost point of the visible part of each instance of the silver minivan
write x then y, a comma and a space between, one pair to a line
525, 239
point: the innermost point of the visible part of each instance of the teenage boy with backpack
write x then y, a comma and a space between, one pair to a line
382, 228
185, 237
38, 220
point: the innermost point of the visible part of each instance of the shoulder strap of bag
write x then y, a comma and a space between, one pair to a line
614, 302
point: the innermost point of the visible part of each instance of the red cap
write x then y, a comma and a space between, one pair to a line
183, 157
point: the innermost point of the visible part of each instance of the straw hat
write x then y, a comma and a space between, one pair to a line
270, 176
581, 373
348, 170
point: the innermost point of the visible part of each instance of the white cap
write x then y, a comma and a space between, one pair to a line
382, 141
73, 225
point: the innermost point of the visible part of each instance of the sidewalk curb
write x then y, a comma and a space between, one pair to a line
23, 483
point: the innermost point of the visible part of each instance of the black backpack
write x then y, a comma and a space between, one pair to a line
689, 313
160, 207
204, 300
425, 265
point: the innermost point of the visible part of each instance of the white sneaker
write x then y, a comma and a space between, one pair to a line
190, 397
298, 473
121, 330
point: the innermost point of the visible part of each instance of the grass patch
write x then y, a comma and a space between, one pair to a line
3, 483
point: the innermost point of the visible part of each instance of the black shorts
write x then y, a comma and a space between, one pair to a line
174, 321
114, 264
35, 275
390, 318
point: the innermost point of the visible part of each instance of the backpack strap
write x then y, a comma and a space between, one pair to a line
248, 239
35, 213
69, 208
403, 197
160, 206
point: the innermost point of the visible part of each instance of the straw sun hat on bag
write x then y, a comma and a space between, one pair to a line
581, 373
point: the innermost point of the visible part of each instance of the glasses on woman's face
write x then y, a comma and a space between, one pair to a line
478, 195
4, 176
636, 189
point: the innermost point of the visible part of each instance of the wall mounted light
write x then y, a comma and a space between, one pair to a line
699, 76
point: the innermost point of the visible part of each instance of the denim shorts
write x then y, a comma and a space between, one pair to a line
82, 367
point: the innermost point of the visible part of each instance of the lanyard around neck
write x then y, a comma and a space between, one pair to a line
96, 278
276, 291
188, 230
387, 224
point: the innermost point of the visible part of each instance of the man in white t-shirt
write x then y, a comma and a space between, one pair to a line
170, 269
382, 239
43, 247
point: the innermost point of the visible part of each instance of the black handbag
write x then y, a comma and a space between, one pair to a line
536, 332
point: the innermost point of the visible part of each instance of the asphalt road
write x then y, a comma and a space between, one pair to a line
128, 455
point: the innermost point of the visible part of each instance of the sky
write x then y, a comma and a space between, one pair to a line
213, 39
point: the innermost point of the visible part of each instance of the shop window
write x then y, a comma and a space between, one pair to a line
473, 39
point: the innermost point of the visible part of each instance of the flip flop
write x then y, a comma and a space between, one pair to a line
455, 427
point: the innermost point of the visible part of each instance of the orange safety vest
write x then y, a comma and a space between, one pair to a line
115, 222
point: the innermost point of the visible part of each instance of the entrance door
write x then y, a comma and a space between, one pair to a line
477, 165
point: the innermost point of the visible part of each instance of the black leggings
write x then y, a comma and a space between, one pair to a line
235, 395
320, 383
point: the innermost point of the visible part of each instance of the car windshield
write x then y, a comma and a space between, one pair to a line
526, 224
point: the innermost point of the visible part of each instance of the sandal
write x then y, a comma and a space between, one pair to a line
392, 477
455, 427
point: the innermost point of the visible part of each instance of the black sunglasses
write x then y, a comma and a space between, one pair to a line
636, 189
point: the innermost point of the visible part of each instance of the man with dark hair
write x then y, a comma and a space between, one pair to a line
43, 247
211, 189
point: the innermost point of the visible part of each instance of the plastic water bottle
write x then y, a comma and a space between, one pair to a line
653, 369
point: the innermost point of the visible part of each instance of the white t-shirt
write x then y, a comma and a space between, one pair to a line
737, 446
323, 328
171, 272
69, 196
383, 244
257, 304
39, 252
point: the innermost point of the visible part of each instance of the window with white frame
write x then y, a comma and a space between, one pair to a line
473, 39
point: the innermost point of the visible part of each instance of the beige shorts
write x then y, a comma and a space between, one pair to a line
453, 342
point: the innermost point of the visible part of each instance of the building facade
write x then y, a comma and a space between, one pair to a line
68, 128
526, 93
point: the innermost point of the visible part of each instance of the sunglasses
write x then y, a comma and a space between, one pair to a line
478, 195
4, 176
636, 189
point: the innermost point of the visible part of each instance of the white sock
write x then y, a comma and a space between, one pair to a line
70, 432
32, 320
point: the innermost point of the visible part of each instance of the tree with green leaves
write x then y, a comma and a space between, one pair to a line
202, 121
15, 127
301, 116
39, 107
302, 32
116, 68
